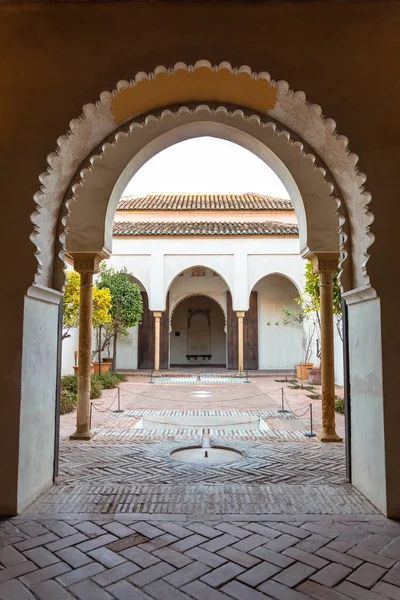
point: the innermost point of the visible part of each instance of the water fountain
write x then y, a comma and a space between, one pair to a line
206, 454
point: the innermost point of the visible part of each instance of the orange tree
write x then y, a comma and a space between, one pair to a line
101, 305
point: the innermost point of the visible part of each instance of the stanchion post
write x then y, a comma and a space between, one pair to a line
90, 415
247, 377
119, 402
283, 410
151, 376
311, 433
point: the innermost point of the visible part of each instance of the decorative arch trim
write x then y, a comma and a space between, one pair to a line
285, 106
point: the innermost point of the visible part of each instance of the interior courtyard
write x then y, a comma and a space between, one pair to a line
213, 469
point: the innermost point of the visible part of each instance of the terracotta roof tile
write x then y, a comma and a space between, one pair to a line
187, 201
203, 228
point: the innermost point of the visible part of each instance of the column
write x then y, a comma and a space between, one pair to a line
240, 316
86, 267
157, 340
325, 266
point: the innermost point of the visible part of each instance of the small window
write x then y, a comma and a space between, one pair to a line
177, 333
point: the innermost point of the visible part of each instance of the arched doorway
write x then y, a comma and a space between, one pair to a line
198, 336
290, 132
280, 341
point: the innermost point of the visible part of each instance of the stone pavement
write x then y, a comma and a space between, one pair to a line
263, 393
124, 521
143, 557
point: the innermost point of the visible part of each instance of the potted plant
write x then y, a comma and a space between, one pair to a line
301, 318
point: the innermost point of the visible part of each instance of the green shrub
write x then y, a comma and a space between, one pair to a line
96, 387
121, 376
70, 383
339, 405
68, 401
110, 379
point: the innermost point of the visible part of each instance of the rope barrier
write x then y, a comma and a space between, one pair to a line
284, 399
106, 409
297, 409
167, 399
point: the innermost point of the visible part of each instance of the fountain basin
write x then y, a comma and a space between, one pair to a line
197, 455
229, 422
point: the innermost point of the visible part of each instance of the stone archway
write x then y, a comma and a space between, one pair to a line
297, 129
313, 135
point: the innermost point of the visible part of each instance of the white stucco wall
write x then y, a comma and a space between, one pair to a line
339, 367
69, 346
280, 346
127, 350
243, 264
240, 261
367, 418
37, 416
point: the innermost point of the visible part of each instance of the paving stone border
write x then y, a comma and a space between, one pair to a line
147, 557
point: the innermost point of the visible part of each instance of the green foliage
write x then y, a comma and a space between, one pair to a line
71, 303
339, 405
95, 387
69, 388
70, 383
101, 307
311, 301
68, 401
101, 304
110, 379
126, 299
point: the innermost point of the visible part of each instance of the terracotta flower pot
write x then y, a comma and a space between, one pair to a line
104, 367
314, 375
304, 369
298, 371
76, 370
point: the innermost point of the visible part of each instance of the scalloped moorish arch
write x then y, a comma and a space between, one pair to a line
219, 84
105, 175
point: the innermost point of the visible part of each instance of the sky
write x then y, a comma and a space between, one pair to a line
204, 165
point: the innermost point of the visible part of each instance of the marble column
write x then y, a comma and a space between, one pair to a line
325, 266
157, 340
240, 316
86, 267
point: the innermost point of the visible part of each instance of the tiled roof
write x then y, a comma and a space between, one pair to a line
203, 228
185, 201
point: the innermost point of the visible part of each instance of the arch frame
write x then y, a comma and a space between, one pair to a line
121, 158
174, 306
241, 86
296, 285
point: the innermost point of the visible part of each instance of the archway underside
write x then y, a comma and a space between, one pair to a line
329, 170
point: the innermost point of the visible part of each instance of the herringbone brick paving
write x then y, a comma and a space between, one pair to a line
124, 521
156, 557
149, 462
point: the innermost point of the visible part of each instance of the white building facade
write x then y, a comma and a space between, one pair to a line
200, 260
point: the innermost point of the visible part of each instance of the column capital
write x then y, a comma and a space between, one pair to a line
240, 314
157, 314
87, 263
325, 262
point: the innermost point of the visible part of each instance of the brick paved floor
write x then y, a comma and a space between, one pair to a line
254, 558
124, 522
263, 393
